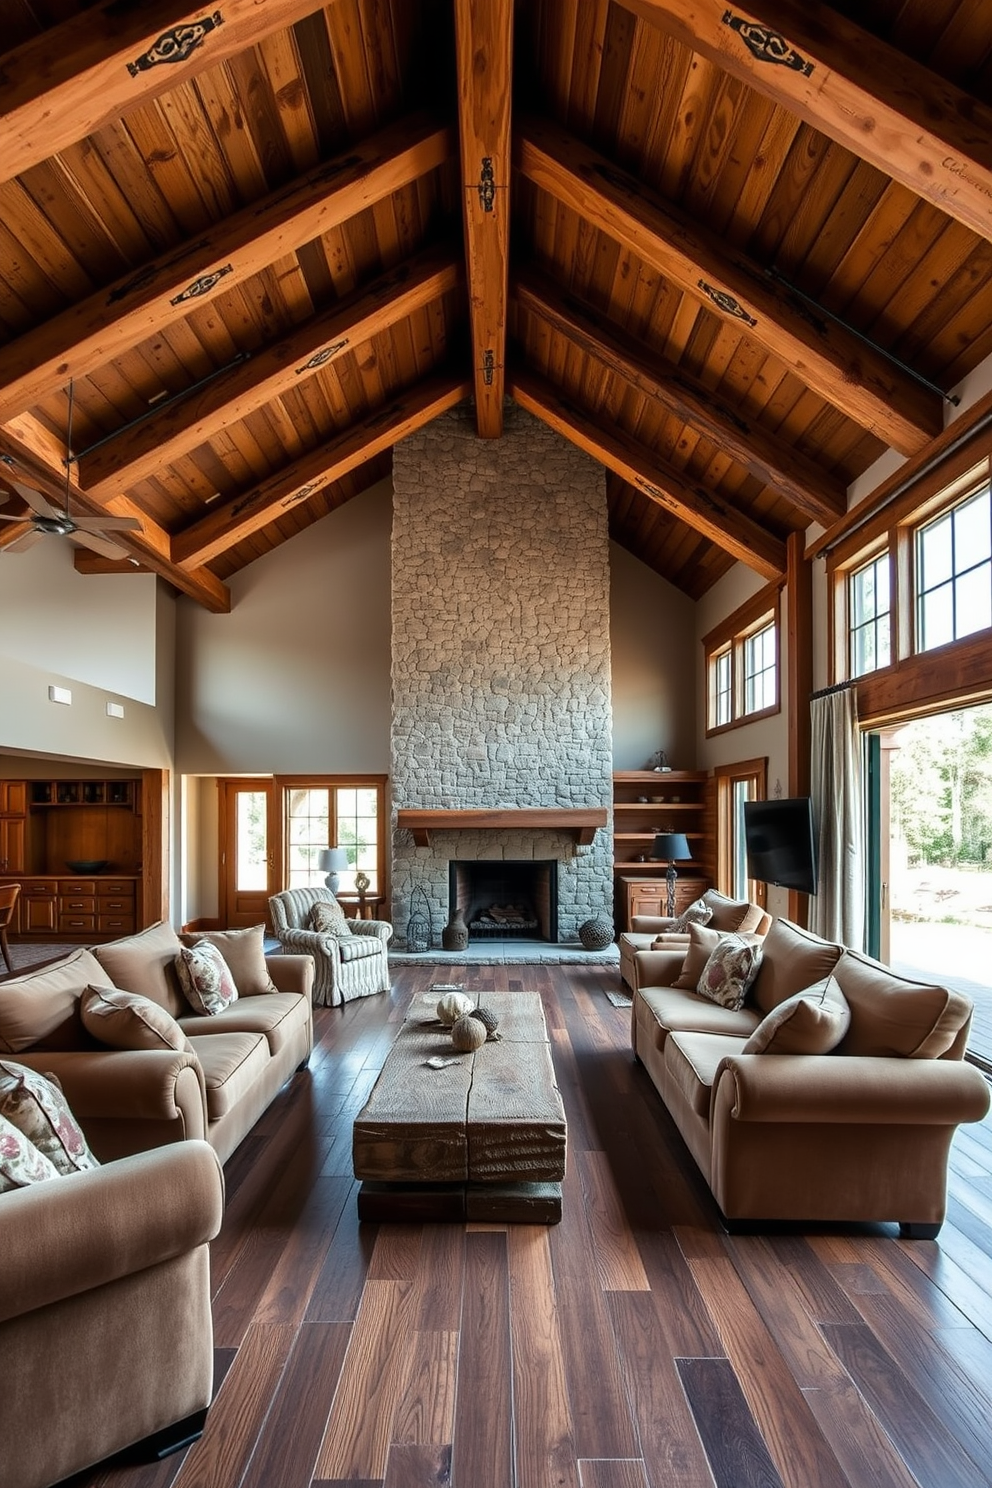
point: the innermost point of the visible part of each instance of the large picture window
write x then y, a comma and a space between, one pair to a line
868, 590
334, 811
742, 664
954, 573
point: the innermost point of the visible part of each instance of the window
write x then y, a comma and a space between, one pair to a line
868, 590
742, 665
735, 784
335, 811
954, 573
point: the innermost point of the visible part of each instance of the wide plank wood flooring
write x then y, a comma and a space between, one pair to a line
634, 1345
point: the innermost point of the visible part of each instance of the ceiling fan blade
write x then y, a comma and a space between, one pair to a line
107, 524
21, 544
8, 518
101, 545
35, 500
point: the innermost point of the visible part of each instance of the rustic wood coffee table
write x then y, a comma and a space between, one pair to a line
483, 1139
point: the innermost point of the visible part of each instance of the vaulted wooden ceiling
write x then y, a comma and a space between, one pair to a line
733, 254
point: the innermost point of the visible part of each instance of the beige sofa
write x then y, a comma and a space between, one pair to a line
105, 1316
726, 914
128, 1100
857, 1134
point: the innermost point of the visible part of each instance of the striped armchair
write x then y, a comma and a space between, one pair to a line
347, 966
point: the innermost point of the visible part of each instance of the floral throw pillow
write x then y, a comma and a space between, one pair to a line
696, 913
21, 1163
205, 978
41, 1113
732, 967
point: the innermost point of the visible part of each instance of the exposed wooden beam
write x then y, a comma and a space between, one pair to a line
26, 445
228, 524
771, 461
484, 58
837, 364
65, 83
85, 561
109, 322
860, 91
700, 508
140, 450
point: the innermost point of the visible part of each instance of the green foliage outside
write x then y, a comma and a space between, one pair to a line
941, 789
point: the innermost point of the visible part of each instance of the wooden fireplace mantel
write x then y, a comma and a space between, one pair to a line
580, 822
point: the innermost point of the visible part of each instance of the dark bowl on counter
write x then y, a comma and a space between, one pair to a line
88, 865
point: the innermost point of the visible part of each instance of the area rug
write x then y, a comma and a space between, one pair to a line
619, 999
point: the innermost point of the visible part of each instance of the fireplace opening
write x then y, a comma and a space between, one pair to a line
505, 900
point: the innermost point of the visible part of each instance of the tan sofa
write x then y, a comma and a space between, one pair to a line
727, 915
857, 1134
130, 1100
105, 1312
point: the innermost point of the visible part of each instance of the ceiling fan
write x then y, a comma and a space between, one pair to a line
47, 521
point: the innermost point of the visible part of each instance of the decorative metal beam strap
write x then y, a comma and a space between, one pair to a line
487, 184
488, 366
726, 302
320, 357
201, 286
147, 276
175, 45
246, 503
766, 45
302, 493
646, 485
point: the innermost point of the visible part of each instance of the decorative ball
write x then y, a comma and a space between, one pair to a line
596, 934
452, 1006
468, 1033
488, 1019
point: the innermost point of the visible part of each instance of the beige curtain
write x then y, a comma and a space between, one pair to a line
837, 911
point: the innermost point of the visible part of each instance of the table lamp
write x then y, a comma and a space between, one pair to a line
673, 848
331, 860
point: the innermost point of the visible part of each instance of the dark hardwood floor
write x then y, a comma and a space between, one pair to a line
634, 1344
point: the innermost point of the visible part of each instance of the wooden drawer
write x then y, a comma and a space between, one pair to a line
115, 924
116, 889
77, 886
77, 904
114, 904
35, 887
77, 922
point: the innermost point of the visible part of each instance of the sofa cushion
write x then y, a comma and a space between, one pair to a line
358, 947
146, 963
702, 942
123, 1020
244, 952
277, 1017
205, 978
675, 1010
40, 1010
893, 1015
231, 1064
732, 914
21, 1163
692, 1060
810, 1022
328, 918
732, 967
792, 960
37, 1107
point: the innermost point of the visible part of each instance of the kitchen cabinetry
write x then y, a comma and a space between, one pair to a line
13, 826
76, 908
646, 802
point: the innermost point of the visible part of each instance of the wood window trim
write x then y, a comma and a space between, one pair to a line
347, 780
725, 777
750, 617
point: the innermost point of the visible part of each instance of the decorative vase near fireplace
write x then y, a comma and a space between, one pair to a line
454, 936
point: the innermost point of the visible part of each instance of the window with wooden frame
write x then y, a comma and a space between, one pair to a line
869, 610
954, 572
742, 663
346, 811
745, 781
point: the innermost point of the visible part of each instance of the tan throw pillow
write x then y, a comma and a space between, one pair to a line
327, 918
702, 941
205, 978
696, 913
244, 952
21, 1163
41, 1112
123, 1020
145, 963
732, 967
810, 1022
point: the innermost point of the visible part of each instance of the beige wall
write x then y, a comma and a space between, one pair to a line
655, 674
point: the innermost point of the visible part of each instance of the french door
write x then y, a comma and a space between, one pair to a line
249, 838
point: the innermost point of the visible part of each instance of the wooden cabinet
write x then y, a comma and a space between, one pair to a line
13, 797
13, 844
77, 908
646, 802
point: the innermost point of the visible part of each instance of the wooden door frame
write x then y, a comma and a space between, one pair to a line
226, 785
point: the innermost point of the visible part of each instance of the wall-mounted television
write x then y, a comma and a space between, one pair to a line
779, 842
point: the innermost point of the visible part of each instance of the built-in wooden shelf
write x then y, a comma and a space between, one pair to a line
580, 822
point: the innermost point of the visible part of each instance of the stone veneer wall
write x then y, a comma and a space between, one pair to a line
500, 652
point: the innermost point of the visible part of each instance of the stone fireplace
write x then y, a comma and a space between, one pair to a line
500, 659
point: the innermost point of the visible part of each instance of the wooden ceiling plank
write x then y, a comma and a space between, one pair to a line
234, 520
162, 291
853, 376
702, 509
73, 78
859, 90
143, 448
25, 449
484, 62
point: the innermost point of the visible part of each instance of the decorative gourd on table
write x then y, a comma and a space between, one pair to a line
452, 1006
468, 1034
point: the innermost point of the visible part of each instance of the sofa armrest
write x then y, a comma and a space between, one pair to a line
381, 928
659, 924
659, 968
835, 1088
291, 973
133, 1085
71, 1234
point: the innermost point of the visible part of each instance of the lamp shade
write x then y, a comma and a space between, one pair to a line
332, 859
672, 847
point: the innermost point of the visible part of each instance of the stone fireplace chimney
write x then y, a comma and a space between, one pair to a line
500, 653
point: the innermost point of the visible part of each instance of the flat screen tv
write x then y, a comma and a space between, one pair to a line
779, 842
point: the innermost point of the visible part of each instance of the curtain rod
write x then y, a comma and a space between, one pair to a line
837, 687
